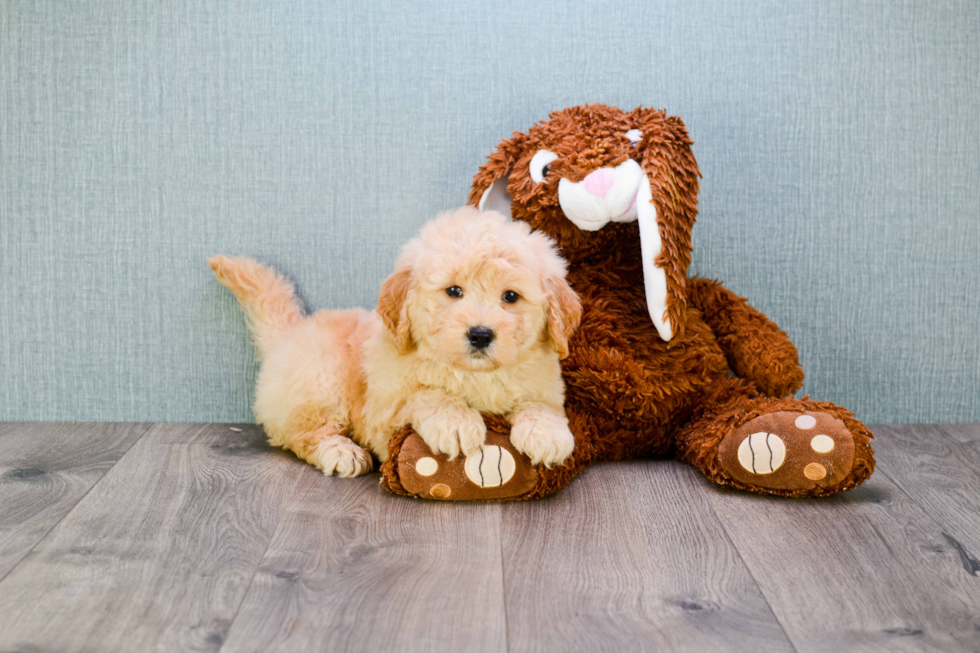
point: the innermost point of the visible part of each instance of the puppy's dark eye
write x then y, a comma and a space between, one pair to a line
510, 296
545, 171
454, 291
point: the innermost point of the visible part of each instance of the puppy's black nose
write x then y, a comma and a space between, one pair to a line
480, 337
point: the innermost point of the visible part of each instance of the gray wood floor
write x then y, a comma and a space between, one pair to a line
166, 537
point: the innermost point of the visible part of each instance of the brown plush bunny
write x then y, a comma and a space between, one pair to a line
649, 372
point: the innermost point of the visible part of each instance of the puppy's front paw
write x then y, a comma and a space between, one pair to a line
452, 431
543, 437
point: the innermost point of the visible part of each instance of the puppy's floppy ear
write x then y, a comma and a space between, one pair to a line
564, 313
489, 190
393, 308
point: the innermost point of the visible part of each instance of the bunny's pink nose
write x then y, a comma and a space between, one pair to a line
600, 181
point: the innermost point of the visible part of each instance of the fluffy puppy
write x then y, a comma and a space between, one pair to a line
474, 319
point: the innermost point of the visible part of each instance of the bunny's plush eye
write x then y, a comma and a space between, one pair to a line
635, 136
540, 165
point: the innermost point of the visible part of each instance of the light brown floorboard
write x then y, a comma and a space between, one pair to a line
353, 568
629, 557
158, 555
45, 469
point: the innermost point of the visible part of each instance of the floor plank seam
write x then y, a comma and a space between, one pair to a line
503, 575
255, 572
968, 561
149, 426
745, 564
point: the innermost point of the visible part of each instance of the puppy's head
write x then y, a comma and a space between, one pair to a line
598, 179
476, 291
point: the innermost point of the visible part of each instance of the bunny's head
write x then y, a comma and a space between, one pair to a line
597, 180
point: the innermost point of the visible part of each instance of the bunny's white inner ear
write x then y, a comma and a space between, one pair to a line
496, 198
654, 277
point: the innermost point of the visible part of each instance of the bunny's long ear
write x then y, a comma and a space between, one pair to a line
667, 215
489, 190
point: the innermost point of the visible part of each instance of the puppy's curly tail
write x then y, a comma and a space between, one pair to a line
268, 299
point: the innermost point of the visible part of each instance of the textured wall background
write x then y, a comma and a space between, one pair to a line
840, 145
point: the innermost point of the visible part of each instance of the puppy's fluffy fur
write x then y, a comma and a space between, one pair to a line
333, 387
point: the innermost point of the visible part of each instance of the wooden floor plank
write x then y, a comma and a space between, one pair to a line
159, 554
629, 557
941, 475
961, 432
45, 469
353, 568
867, 570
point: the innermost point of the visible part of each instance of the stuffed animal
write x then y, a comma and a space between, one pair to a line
663, 365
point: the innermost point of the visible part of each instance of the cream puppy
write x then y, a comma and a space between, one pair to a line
474, 319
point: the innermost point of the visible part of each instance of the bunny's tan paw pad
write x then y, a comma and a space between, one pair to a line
796, 451
495, 471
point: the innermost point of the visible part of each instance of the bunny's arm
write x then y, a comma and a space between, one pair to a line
756, 349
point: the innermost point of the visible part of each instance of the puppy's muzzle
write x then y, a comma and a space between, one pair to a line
480, 337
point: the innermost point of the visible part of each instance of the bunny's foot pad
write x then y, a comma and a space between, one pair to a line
796, 451
497, 471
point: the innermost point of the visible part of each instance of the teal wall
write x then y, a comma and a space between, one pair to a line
839, 141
